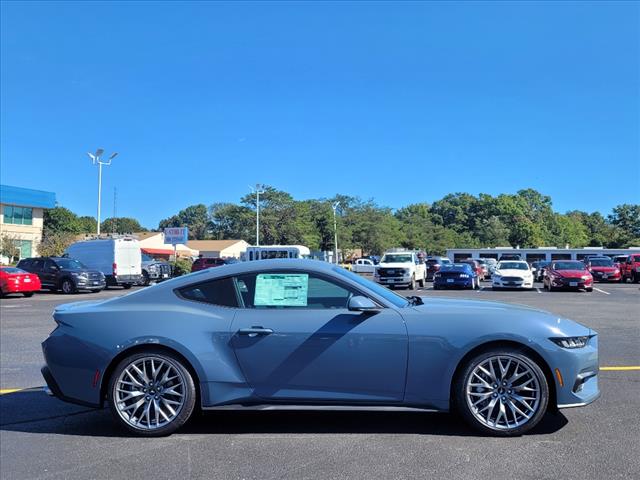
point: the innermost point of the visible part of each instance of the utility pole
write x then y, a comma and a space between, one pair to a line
258, 189
96, 159
335, 229
113, 219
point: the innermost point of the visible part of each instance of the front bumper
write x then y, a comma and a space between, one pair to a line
519, 283
404, 280
87, 284
579, 372
607, 277
568, 283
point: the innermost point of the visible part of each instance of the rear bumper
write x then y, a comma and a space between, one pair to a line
54, 390
457, 282
123, 279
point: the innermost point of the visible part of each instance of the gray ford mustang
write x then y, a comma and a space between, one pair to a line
307, 334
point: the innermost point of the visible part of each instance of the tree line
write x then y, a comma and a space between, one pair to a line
458, 220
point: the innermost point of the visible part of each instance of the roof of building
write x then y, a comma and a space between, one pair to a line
26, 197
212, 245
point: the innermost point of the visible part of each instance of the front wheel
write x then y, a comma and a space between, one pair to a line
502, 392
151, 393
68, 286
412, 285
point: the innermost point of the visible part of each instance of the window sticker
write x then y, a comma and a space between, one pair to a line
281, 290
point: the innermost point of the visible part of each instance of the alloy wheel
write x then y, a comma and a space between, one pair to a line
503, 392
149, 393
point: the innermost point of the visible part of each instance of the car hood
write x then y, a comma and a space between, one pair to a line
395, 265
84, 270
604, 269
571, 273
512, 273
511, 317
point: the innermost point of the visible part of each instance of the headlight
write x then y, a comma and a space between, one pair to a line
79, 275
407, 271
586, 277
571, 342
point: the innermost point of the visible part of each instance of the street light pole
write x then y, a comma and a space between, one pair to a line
258, 189
335, 229
96, 158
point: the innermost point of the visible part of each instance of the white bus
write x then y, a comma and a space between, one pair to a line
275, 251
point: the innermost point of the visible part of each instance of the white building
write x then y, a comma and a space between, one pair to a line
540, 253
152, 243
219, 248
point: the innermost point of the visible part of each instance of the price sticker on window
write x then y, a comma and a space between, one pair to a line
281, 290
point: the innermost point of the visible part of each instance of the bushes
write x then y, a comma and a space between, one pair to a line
181, 267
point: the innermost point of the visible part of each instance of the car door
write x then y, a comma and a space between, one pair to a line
48, 271
295, 340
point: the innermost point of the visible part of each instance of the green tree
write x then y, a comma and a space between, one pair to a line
626, 217
55, 243
195, 217
60, 219
121, 225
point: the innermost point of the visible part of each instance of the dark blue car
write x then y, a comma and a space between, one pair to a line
459, 275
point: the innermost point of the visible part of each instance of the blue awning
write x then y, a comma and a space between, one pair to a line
25, 197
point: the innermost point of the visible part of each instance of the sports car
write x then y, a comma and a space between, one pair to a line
291, 334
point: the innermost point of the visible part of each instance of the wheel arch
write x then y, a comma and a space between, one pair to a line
108, 371
487, 346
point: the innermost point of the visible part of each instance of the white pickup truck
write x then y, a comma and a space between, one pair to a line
402, 269
363, 265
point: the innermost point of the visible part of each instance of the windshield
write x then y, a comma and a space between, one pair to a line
147, 258
601, 262
379, 290
69, 264
397, 258
513, 266
456, 267
568, 266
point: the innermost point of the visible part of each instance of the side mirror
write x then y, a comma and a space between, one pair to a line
359, 303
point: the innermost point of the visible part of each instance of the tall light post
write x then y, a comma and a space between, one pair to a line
335, 228
258, 189
96, 159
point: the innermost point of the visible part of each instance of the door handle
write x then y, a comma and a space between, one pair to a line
255, 331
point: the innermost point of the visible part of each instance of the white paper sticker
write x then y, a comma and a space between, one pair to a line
281, 289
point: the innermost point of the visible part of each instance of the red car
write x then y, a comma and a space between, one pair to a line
203, 263
603, 269
631, 269
14, 280
568, 274
477, 267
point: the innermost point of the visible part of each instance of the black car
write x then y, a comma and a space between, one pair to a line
540, 266
66, 274
434, 264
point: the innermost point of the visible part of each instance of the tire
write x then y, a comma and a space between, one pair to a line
67, 286
28, 294
145, 279
635, 278
412, 285
175, 407
588, 289
95, 290
127, 286
436, 287
423, 282
523, 413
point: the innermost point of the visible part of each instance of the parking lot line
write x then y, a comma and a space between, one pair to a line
601, 291
620, 369
4, 391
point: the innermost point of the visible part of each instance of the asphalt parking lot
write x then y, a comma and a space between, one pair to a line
42, 437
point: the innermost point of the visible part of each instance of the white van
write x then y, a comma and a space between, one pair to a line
119, 258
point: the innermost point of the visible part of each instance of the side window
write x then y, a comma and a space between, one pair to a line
37, 265
292, 290
217, 292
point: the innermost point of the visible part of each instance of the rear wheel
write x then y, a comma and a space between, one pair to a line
28, 294
145, 279
127, 286
151, 393
502, 392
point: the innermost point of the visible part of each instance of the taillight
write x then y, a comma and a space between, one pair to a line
115, 269
436, 266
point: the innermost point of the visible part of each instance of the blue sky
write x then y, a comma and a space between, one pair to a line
400, 102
